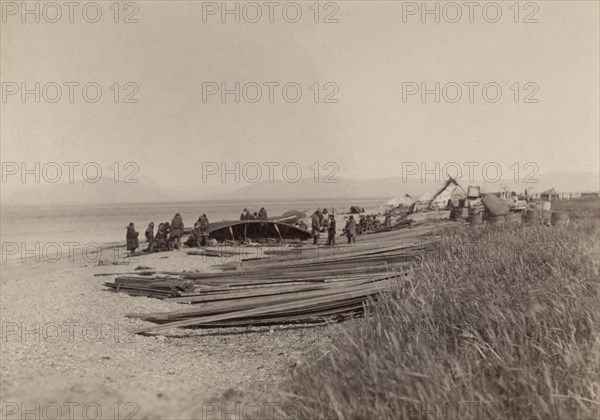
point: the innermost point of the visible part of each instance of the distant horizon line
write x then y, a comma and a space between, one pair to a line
242, 200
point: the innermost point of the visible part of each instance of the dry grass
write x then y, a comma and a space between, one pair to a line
497, 322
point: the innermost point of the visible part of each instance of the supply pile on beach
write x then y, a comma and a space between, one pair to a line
336, 285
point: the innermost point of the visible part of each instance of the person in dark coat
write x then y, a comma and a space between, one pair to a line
149, 235
331, 230
132, 238
176, 232
167, 229
262, 215
245, 215
388, 220
204, 225
324, 219
160, 240
315, 227
351, 229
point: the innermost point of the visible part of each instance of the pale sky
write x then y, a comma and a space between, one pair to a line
368, 55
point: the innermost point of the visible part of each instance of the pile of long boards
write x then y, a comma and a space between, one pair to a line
335, 285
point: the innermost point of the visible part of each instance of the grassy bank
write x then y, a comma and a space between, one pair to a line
495, 322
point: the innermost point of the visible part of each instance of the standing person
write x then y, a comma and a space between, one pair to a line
331, 230
149, 235
204, 225
262, 216
167, 230
351, 229
176, 232
245, 215
132, 238
369, 223
388, 220
159, 238
324, 220
315, 227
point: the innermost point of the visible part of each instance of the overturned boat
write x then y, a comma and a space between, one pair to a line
240, 230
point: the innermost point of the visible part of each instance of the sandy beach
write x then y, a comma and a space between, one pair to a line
67, 345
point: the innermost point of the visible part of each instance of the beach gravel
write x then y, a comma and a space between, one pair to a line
66, 340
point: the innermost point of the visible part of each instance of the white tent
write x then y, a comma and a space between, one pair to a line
396, 203
437, 199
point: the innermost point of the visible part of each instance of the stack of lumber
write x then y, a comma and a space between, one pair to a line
334, 284
155, 287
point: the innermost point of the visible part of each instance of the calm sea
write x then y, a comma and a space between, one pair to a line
106, 224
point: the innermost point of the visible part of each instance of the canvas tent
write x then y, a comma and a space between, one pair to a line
396, 203
437, 199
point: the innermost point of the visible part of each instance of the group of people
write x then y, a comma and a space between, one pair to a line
199, 235
368, 223
321, 221
168, 235
261, 215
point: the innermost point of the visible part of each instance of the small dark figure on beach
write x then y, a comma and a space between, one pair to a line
369, 223
388, 220
262, 215
132, 238
315, 222
149, 235
204, 225
245, 215
351, 229
324, 219
194, 238
331, 230
160, 240
176, 232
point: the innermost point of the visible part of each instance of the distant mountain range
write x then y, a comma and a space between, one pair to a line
108, 192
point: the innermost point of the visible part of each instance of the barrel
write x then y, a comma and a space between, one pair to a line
473, 191
496, 219
532, 216
546, 205
546, 217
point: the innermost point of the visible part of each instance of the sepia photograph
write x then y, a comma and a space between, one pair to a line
300, 210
